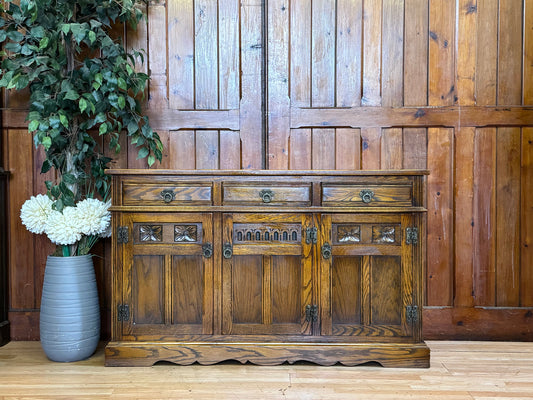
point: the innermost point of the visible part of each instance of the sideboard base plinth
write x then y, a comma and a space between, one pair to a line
146, 354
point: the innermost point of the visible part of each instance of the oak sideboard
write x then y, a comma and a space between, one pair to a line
267, 267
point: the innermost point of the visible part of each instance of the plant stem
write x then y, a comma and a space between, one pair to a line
66, 251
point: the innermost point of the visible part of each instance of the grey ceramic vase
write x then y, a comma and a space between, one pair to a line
70, 314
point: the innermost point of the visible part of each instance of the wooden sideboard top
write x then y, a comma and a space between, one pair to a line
267, 172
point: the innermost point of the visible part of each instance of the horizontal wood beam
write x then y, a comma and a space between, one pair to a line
356, 117
172, 120
369, 117
165, 119
479, 323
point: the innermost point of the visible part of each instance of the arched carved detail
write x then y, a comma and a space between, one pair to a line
285, 233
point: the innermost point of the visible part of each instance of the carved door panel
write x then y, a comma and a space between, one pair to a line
366, 276
168, 276
267, 274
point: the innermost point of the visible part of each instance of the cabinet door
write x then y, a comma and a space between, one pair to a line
367, 284
168, 275
266, 274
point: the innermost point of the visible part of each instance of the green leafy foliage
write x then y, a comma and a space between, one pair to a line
83, 84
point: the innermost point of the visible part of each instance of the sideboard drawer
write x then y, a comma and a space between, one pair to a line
160, 194
267, 194
367, 195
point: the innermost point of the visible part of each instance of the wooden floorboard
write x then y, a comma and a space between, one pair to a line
459, 370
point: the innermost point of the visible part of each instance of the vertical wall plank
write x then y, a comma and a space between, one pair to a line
348, 58
228, 34
322, 156
323, 53
300, 46
300, 82
440, 217
508, 158
526, 212
508, 217
348, 149
372, 19
466, 52
133, 162
300, 149
484, 217
464, 156
157, 56
415, 148
370, 148
510, 53
487, 52
206, 54
182, 150
528, 53
392, 53
440, 155
138, 39
278, 84
207, 152
441, 53
392, 148
464, 220
230, 150
416, 53
251, 118
526, 250
415, 77
21, 257
181, 54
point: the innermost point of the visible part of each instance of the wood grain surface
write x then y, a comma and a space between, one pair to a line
459, 370
346, 84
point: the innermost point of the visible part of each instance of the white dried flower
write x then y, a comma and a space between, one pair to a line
93, 216
107, 233
35, 211
63, 228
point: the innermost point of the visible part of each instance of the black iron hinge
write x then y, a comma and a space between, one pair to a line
123, 312
311, 313
412, 314
411, 235
311, 235
123, 234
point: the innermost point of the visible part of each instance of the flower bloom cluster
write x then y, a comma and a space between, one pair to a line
35, 211
90, 217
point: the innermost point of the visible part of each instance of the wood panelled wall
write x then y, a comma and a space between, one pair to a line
345, 84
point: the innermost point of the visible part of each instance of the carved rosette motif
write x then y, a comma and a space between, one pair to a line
151, 233
383, 234
185, 233
349, 233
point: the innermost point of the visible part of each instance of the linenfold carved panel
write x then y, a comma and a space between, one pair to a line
288, 233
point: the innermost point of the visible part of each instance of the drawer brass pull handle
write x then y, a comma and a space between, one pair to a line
326, 251
168, 195
227, 250
366, 195
266, 195
207, 250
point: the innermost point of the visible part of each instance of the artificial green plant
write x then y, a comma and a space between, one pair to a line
82, 83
